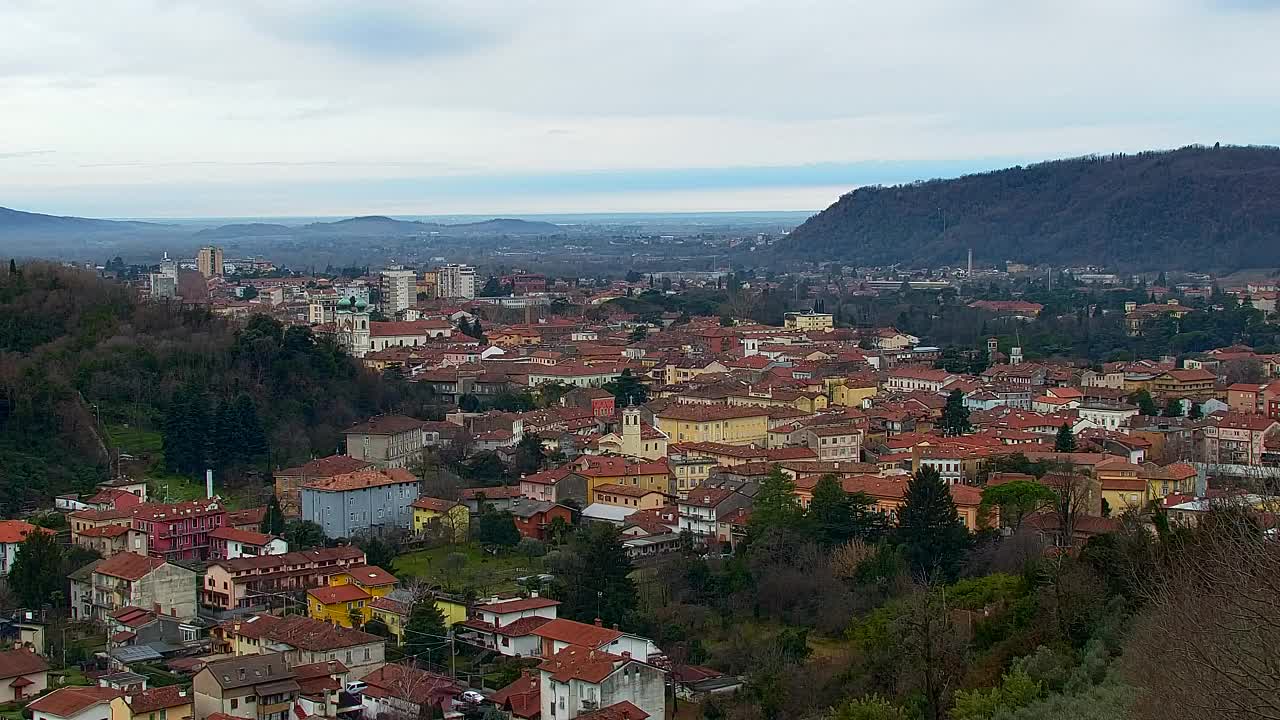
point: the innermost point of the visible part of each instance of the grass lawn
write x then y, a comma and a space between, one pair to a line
481, 571
162, 486
138, 443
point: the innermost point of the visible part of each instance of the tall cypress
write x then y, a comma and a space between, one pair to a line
253, 439
929, 528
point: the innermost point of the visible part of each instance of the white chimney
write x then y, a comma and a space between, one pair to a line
208, 484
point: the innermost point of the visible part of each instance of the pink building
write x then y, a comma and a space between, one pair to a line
179, 531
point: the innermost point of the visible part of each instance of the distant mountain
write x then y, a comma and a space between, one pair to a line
28, 222
382, 225
1193, 208
236, 230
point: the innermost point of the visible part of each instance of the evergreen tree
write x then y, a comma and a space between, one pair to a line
37, 572
251, 436
955, 416
1173, 408
593, 579
497, 529
186, 432
1146, 404
627, 390
425, 634
1066, 440
273, 520
835, 516
929, 528
227, 451
775, 506
477, 330
1195, 413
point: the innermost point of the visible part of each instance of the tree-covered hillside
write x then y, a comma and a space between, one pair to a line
79, 354
1195, 208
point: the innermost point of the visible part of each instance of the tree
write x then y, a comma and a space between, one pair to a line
425, 632
37, 573
639, 332
1016, 690
1173, 408
529, 455
468, 403
871, 707
497, 529
273, 519
775, 506
1146, 404
1073, 495
955, 416
932, 655
1195, 413
593, 577
835, 517
627, 390
1066, 440
303, 534
929, 528
1015, 500
377, 551
186, 430
249, 432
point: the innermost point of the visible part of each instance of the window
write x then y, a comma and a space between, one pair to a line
234, 703
367, 655
348, 657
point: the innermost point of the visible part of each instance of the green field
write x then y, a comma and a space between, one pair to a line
479, 571
162, 486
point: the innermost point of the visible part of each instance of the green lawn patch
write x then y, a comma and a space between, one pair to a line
480, 571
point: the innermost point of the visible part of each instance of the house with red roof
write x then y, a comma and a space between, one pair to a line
12, 534
522, 698
23, 674
128, 579
396, 690
290, 480
228, 543
581, 682
508, 626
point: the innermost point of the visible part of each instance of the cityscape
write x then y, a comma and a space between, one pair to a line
390, 361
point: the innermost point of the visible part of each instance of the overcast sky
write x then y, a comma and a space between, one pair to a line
312, 107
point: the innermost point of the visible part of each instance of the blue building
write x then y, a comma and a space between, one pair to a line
371, 501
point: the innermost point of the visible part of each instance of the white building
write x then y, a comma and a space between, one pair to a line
457, 281
1107, 417
579, 680
399, 289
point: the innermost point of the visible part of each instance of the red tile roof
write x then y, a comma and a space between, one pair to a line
129, 566
241, 536
68, 701
371, 575
518, 605
325, 467
362, 479
156, 698
20, 662
578, 662
618, 711
576, 633
335, 594
699, 413
104, 531
522, 697
385, 425
434, 504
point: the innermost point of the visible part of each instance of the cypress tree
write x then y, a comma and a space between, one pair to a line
1066, 440
929, 528
253, 439
227, 448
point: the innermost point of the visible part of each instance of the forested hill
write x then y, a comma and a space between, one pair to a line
1193, 209
75, 348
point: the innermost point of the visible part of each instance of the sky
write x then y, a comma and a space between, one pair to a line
175, 108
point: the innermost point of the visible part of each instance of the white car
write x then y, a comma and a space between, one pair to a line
355, 687
471, 697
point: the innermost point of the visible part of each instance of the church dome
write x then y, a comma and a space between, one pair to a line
344, 303
361, 304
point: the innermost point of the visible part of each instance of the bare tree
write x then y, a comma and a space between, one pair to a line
1076, 497
932, 651
1206, 645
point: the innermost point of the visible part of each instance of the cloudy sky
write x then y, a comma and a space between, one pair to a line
169, 108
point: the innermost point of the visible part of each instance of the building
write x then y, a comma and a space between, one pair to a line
1107, 416
1234, 439
23, 674
209, 261
729, 424
290, 480
810, 320
399, 691
301, 640
348, 595
1197, 385
507, 626
362, 502
351, 325
702, 509
128, 579
386, 441
444, 518
629, 497
407, 333
636, 439
228, 543
580, 681
456, 281
833, 442
533, 517
255, 581
77, 703
12, 534
254, 687
171, 702
179, 531
399, 288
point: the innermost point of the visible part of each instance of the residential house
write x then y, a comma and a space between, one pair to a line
76, 703
169, 702
1172, 479
372, 501
228, 543
396, 690
254, 687
253, 581
918, 377
628, 496
1107, 416
1251, 398
497, 498
23, 674
12, 534
889, 494
386, 441
320, 686
522, 698
555, 485
507, 626
179, 531
443, 518
1196, 385
533, 517
583, 682
127, 579
833, 442
701, 511
289, 482
301, 640
348, 595
1234, 439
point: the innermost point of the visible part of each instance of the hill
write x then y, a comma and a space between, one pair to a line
1193, 208
29, 222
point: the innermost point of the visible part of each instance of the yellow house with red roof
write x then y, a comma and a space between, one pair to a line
446, 517
349, 595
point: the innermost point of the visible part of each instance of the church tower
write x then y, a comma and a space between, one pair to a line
353, 325
631, 431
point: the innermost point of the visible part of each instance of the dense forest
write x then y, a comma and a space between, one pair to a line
1194, 208
79, 355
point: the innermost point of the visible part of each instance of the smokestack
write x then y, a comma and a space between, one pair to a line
208, 484
970, 263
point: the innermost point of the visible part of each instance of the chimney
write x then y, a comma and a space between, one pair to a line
128, 699
208, 484
615, 626
241, 674
599, 622
155, 607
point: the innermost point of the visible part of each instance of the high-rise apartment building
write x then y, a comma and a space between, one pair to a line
209, 261
457, 281
399, 289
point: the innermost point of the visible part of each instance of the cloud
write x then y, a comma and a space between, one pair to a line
578, 98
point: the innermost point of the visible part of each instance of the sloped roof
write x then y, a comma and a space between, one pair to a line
20, 662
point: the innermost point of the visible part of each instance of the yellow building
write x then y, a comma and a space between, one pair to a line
600, 470
445, 518
808, 321
158, 703
733, 425
395, 614
851, 391
349, 594
636, 498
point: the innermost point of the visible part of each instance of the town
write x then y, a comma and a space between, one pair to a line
595, 465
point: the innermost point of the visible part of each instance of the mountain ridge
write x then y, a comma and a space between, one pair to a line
1192, 208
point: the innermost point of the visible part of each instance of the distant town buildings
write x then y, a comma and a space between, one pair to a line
399, 289
209, 261
456, 281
